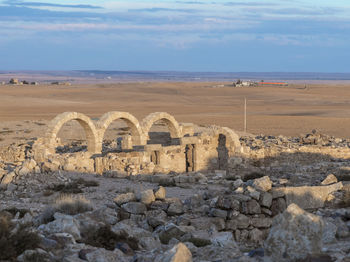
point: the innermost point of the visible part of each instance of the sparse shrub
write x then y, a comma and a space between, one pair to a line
15, 242
103, 237
72, 205
74, 187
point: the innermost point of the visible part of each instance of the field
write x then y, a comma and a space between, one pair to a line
291, 110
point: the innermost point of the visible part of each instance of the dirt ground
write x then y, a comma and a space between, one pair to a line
291, 110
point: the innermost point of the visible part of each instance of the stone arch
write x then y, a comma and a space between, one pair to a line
173, 125
90, 130
232, 139
130, 120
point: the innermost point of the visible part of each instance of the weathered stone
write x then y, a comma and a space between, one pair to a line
124, 198
329, 230
62, 224
237, 183
251, 207
218, 213
330, 179
160, 193
261, 222
256, 235
262, 184
242, 221
179, 253
227, 202
295, 234
204, 223
253, 193
156, 217
147, 197
103, 255
159, 205
175, 208
7, 179
170, 231
38, 254
309, 197
134, 208
266, 199
278, 206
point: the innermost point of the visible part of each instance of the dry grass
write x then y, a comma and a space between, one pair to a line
66, 204
72, 205
15, 242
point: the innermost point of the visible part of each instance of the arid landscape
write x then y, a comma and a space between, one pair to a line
291, 110
186, 185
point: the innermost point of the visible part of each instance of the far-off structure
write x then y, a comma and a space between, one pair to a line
184, 150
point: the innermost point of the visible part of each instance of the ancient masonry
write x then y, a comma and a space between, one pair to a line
187, 151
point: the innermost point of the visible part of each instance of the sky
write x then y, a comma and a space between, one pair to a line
205, 36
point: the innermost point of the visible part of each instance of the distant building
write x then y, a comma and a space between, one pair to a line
14, 81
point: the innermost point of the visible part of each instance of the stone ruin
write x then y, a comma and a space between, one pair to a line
186, 151
204, 194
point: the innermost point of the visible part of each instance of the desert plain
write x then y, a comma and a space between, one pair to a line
289, 111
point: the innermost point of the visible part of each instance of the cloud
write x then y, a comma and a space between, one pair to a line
42, 4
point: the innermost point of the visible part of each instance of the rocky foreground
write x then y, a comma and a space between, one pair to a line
288, 201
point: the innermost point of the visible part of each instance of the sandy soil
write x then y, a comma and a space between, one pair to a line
289, 110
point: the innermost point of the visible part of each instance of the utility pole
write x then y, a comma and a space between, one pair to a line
245, 115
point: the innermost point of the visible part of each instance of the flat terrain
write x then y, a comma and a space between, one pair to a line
288, 111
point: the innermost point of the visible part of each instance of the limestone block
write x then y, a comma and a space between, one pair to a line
308, 197
295, 234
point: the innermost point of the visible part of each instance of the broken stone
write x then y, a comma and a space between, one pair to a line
263, 184
330, 179
175, 208
160, 193
179, 253
124, 198
266, 199
295, 234
251, 207
134, 208
147, 197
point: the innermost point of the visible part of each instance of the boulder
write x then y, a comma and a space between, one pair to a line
175, 208
62, 224
160, 193
147, 197
294, 235
179, 253
124, 198
156, 217
263, 184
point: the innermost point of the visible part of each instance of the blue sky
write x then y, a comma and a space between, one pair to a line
226, 36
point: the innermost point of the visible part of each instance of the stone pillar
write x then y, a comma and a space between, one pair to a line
126, 142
